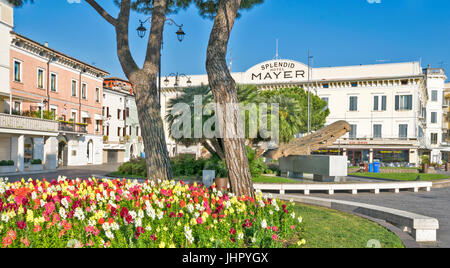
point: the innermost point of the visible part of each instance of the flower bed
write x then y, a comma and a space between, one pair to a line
119, 213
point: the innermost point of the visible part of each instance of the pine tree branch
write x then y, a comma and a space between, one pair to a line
102, 12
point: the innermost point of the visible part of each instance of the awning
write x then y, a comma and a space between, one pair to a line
85, 115
98, 117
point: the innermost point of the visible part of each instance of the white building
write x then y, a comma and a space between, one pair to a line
389, 106
122, 140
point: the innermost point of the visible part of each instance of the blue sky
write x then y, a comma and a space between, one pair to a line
338, 32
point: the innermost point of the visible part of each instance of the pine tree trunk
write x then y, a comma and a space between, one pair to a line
146, 88
152, 127
224, 90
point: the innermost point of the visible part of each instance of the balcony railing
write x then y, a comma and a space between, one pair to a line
27, 123
72, 127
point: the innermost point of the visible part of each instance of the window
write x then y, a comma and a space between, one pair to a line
326, 86
403, 132
327, 100
74, 116
53, 82
54, 110
97, 95
434, 138
130, 131
84, 91
376, 103
128, 112
118, 131
354, 84
74, 88
118, 114
353, 103
353, 132
433, 117
40, 78
107, 112
17, 107
434, 95
403, 102
137, 131
17, 71
377, 130
405, 82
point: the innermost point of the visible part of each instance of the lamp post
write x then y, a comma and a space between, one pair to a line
141, 31
309, 91
177, 79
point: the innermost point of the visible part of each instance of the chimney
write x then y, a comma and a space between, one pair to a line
46, 44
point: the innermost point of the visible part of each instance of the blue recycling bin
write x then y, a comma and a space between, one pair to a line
376, 167
371, 168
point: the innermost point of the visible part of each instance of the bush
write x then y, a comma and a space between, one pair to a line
187, 165
257, 165
6, 163
36, 162
218, 165
136, 167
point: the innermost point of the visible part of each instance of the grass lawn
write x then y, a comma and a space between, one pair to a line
326, 228
269, 179
402, 176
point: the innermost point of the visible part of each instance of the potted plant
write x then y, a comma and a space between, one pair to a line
36, 165
425, 163
214, 163
7, 166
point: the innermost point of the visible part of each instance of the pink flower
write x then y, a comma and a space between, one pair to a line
21, 225
275, 229
274, 237
200, 221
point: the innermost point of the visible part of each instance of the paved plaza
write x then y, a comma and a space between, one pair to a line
434, 204
82, 172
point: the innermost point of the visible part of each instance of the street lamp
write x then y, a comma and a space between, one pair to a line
177, 79
309, 92
141, 31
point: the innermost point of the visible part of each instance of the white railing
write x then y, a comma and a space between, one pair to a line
27, 123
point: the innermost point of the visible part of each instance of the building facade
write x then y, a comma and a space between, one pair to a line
26, 144
392, 108
122, 134
50, 104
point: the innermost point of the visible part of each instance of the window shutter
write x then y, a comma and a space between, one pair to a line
375, 103
383, 103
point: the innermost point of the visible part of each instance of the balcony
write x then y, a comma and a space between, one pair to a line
27, 123
72, 127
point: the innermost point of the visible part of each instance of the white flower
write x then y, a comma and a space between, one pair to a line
300, 219
188, 234
65, 203
151, 212
79, 214
5, 217
62, 213
109, 234
240, 236
293, 215
264, 224
133, 214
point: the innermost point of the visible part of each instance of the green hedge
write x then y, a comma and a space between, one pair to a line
36, 162
187, 165
6, 163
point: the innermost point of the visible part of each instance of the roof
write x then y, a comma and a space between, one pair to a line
105, 73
